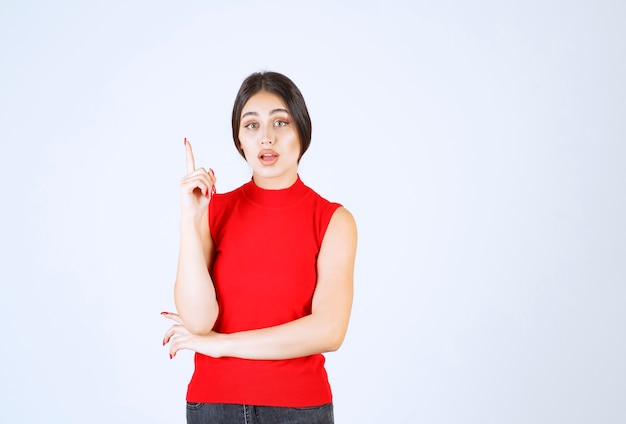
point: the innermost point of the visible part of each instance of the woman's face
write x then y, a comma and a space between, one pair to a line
270, 141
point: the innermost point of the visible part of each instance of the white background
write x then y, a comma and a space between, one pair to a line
481, 147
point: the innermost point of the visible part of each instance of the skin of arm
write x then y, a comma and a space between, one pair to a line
322, 331
194, 293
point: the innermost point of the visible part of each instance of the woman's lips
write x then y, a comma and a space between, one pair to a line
268, 157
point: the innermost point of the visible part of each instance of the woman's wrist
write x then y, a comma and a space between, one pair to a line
213, 344
222, 345
190, 225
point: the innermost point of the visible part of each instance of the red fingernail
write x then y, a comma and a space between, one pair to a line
164, 313
163, 342
185, 141
211, 169
171, 356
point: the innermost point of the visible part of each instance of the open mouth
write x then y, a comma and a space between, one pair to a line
268, 157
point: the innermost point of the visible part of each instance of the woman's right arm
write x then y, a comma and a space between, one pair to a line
194, 293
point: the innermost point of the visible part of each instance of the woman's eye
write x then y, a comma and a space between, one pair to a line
252, 125
280, 123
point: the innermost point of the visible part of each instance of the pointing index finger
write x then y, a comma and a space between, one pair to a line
191, 164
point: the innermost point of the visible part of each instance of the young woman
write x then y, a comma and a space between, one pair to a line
265, 272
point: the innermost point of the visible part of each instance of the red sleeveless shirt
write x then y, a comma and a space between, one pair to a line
267, 242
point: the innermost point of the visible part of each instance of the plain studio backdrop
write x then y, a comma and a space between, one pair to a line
481, 147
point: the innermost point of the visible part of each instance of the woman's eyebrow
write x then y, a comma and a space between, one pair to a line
273, 111
249, 113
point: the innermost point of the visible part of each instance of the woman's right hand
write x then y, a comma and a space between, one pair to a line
197, 187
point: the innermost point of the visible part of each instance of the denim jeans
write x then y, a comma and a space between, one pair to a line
221, 413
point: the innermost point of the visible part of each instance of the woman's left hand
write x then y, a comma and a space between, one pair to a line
180, 338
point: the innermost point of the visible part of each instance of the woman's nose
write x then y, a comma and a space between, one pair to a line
267, 137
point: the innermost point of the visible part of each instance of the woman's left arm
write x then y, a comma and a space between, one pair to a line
321, 331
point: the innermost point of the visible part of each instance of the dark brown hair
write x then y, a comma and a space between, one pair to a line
283, 87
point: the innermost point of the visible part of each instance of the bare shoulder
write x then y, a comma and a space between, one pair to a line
343, 217
336, 259
342, 225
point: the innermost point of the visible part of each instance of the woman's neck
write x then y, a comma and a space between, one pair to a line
278, 182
